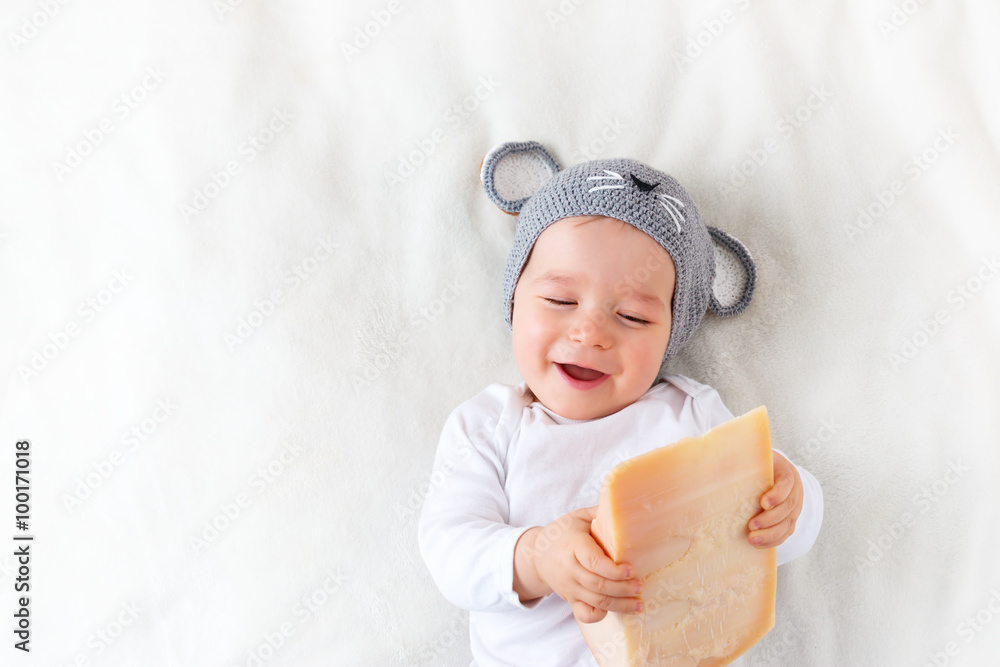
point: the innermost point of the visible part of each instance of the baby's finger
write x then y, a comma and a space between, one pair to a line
609, 603
630, 588
783, 483
592, 558
586, 613
773, 536
771, 517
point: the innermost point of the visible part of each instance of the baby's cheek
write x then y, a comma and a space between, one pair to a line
658, 347
530, 342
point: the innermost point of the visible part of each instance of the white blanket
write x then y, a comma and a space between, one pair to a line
247, 271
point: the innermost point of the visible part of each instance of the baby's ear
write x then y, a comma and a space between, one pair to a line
735, 275
514, 171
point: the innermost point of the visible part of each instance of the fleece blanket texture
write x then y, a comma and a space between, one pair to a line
247, 270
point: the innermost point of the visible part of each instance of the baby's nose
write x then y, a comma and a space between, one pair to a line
590, 327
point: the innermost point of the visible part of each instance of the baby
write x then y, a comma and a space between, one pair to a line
610, 274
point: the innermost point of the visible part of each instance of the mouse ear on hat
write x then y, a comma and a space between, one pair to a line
513, 171
735, 275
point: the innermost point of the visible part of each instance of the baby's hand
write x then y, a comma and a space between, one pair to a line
568, 561
783, 504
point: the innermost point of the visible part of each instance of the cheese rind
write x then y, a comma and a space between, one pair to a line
679, 515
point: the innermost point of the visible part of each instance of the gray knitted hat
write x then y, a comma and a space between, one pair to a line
714, 270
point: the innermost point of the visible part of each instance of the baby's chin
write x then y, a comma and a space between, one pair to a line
581, 408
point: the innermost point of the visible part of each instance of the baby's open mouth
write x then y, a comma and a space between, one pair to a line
581, 373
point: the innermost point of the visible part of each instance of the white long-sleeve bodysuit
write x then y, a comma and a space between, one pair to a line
504, 465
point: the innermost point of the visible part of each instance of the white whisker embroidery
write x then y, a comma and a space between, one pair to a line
673, 216
673, 199
667, 202
611, 175
671, 204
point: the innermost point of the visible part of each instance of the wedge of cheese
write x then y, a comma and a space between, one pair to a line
679, 515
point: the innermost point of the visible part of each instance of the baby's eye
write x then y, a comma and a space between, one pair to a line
559, 302
637, 320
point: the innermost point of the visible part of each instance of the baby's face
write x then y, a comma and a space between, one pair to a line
591, 317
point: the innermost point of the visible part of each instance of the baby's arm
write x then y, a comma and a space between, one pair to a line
564, 558
463, 533
481, 563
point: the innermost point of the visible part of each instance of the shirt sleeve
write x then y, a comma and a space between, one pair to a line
463, 534
710, 411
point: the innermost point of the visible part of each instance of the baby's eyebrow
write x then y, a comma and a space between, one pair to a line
554, 279
550, 278
652, 300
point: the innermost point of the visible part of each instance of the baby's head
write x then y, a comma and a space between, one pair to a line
609, 276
